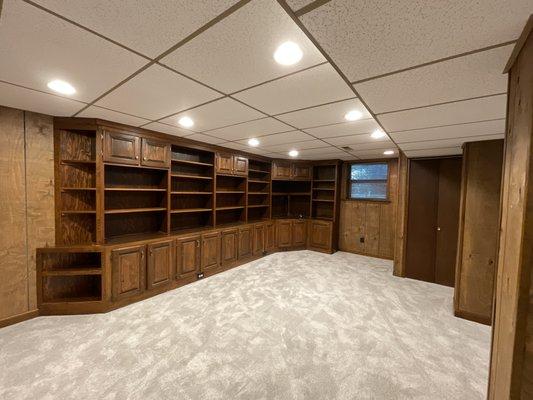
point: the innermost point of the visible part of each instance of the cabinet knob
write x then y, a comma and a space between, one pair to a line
136, 157
144, 158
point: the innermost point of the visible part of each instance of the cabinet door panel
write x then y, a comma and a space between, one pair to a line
284, 234
301, 172
121, 148
155, 154
281, 170
320, 235
224, 163
210, 251
299, 232
245, 242
259, 239
228, 247
129, 271
159, 264
187, 256
270, 236
240, 165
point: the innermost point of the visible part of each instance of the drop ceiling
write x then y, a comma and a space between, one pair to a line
428, 73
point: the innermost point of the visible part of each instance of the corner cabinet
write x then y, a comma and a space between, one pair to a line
230, 164
320, 236
129, 271
130, 149
286, 170
155, 154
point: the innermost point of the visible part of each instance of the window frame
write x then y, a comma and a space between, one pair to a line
349, 181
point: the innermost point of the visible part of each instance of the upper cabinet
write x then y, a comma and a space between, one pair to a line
130, 149
286, 170
230, 164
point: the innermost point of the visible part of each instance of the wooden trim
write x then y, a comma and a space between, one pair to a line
15, 319
519, 45
482, 319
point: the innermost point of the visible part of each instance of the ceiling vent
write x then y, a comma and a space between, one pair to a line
347, 148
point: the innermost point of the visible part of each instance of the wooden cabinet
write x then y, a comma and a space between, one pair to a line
259, 239
270, 236
187, 256
230, 164
245, 241
320, 235
286, 170
210, 251
284, 233
121, 148
281, 170
128, 267
159, 264
301, 172
299, 232
229, 240
155, 154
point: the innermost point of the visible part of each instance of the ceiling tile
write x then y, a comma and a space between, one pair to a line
147, 27
376, 145
31, 100
440, 143
447, 151
446, 114
324, 115
171, 130
308, 88
200, 137
453, 131
476, 75
282, 138
372, 154
217, 114
250, 129
297, 4
308, 144
156, 93
322, 151
355, 139
248, 39
343, 129
41, 48
102, 113
369, 38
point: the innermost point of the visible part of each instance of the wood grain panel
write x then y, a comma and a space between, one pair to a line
401, 216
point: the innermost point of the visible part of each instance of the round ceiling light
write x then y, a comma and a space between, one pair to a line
186, 122
388, 152
293, 153
377, 134
353, 115
62, 87
288, 53
253, 142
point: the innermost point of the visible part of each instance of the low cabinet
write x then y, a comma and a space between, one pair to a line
210, 251
187, 256
159, 264
320, 235
245, 242
259, 240
229, 239
129, 271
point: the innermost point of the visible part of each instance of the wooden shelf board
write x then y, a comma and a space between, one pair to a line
202, 193
130, 189
136, 166
78, 212
260, 171
73, 271
185, 176
67, 300
86, 162
324, 200
291, 194
190, 210
257, 181
258, 193
74, 189
134, 210
232, 176
325, 189
230, 191
229, 208
258, 205
192, 163
323, 180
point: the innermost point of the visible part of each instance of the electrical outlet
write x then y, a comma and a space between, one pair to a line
362, 239
200, 275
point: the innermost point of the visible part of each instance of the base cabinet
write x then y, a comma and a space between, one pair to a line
245, 242
259, 239
159, 264
270, 236
229, 240
187, 256
129, 271
299, 232
210, 251
320, 235
283, 233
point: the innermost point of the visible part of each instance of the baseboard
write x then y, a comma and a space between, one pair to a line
482, 319
367, 254
15, 319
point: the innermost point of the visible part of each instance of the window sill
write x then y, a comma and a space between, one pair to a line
370, 200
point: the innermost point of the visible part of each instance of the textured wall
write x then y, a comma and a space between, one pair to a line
27, 205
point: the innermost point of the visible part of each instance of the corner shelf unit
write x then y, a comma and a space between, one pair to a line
325, 191
259, 196
291, 199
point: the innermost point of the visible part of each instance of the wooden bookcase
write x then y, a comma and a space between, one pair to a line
259, 191
325, 180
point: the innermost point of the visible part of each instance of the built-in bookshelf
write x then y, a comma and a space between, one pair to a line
324, 191
230, 198
259, 193
291, 199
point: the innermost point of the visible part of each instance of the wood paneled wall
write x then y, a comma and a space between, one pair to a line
511, 370
374, 221
27, 212
479, 219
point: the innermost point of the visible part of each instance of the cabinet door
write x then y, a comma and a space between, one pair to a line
245, 241
210, 251
301, 171
128, 267
259, 239
320, 233
240, 165
270, 236
121, 148
281, 170
299, 232
224, 163
187, 256
284, 236
155, 154
229, 239
159, 264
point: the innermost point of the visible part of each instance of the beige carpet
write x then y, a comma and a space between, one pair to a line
298, 325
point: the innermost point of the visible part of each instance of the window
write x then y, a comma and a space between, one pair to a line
369, 181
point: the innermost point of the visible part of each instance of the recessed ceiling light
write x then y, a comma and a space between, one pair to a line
186, 122
62, 87
288, 53
388, 152
377, 134
253, 142
353, 115
293, 153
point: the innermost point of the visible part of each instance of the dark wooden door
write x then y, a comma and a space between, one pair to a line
121, 148
259, 239
240, 165
281, 170
128, 267
210, 251
159, 264
320, 233
224, 163
301, 171
270, 236
155, 154
187, 256
299, 233
229, 241
284, 233
245, 241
